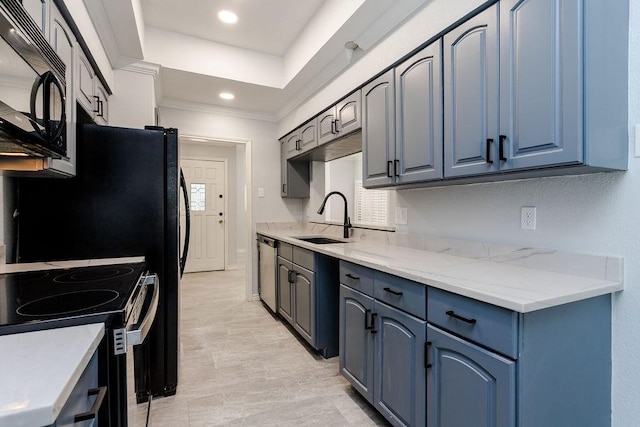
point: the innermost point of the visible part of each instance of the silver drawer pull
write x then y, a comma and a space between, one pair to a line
457, 316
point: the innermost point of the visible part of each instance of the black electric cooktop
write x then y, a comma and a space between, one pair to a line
31, 300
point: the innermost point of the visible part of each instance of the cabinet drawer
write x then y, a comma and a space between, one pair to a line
488, 325
357, 277
285, 250
401, 293
303, 257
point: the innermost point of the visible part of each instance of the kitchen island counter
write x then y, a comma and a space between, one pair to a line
517, 278
40, 369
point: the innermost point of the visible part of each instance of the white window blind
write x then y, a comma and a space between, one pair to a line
371, 207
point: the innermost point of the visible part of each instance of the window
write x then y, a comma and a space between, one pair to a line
198, 197
371, 206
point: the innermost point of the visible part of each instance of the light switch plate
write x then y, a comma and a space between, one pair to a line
401, 216
260, 191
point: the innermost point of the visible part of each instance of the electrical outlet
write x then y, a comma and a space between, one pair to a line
528, 218
401, 216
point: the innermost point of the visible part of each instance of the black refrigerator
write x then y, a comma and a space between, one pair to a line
123, 201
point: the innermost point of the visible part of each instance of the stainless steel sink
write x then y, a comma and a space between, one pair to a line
319, 240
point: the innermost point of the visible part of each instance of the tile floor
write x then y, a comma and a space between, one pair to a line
241, 366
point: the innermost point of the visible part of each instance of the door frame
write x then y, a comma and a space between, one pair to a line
251, 249
226, 198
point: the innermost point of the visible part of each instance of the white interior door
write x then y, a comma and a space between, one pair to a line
206, 184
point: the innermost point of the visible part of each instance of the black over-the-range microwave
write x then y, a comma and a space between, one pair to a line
32, 89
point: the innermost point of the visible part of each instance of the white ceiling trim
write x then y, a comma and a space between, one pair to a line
180, 104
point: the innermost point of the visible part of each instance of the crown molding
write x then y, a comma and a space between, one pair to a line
180, 104
142, 67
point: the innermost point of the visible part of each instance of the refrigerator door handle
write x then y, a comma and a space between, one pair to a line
185, 193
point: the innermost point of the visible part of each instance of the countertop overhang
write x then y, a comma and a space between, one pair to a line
40, 369
519, 279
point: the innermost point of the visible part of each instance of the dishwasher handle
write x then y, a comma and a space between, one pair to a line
267, 241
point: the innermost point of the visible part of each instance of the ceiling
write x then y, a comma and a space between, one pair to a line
268, 26
278, 54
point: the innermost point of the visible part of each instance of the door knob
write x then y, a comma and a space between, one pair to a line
221, 221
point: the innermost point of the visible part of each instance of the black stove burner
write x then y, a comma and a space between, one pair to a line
68, 303
67, 296
33, 275
92, 274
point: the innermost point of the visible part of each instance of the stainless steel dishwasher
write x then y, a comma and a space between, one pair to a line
267, 255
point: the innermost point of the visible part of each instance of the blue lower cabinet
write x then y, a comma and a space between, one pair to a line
468, 385
382, 356
356, 340
399, 377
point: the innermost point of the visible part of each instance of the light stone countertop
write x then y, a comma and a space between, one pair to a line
53, 265
517, 278
40, 369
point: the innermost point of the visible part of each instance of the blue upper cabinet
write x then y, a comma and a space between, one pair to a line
378, 131
471, 99
541, 77
402, 122
419, 116
534, 93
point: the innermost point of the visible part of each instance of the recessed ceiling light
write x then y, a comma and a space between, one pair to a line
226, 95
227, 17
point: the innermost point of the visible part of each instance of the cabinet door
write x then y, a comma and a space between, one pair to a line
541, 75
294, 176
348, 117
419, 116
308, 134
63, 42
326, 128
356, 340
84, 86
471, 96
37, 9
399, 376
468, 385
283, 168
378, 131
284, 290
292, 142
304, 307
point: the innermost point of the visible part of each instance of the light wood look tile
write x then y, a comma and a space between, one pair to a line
239, 365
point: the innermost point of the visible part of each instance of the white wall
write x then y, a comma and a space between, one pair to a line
597, 213
133, 101
264, 155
